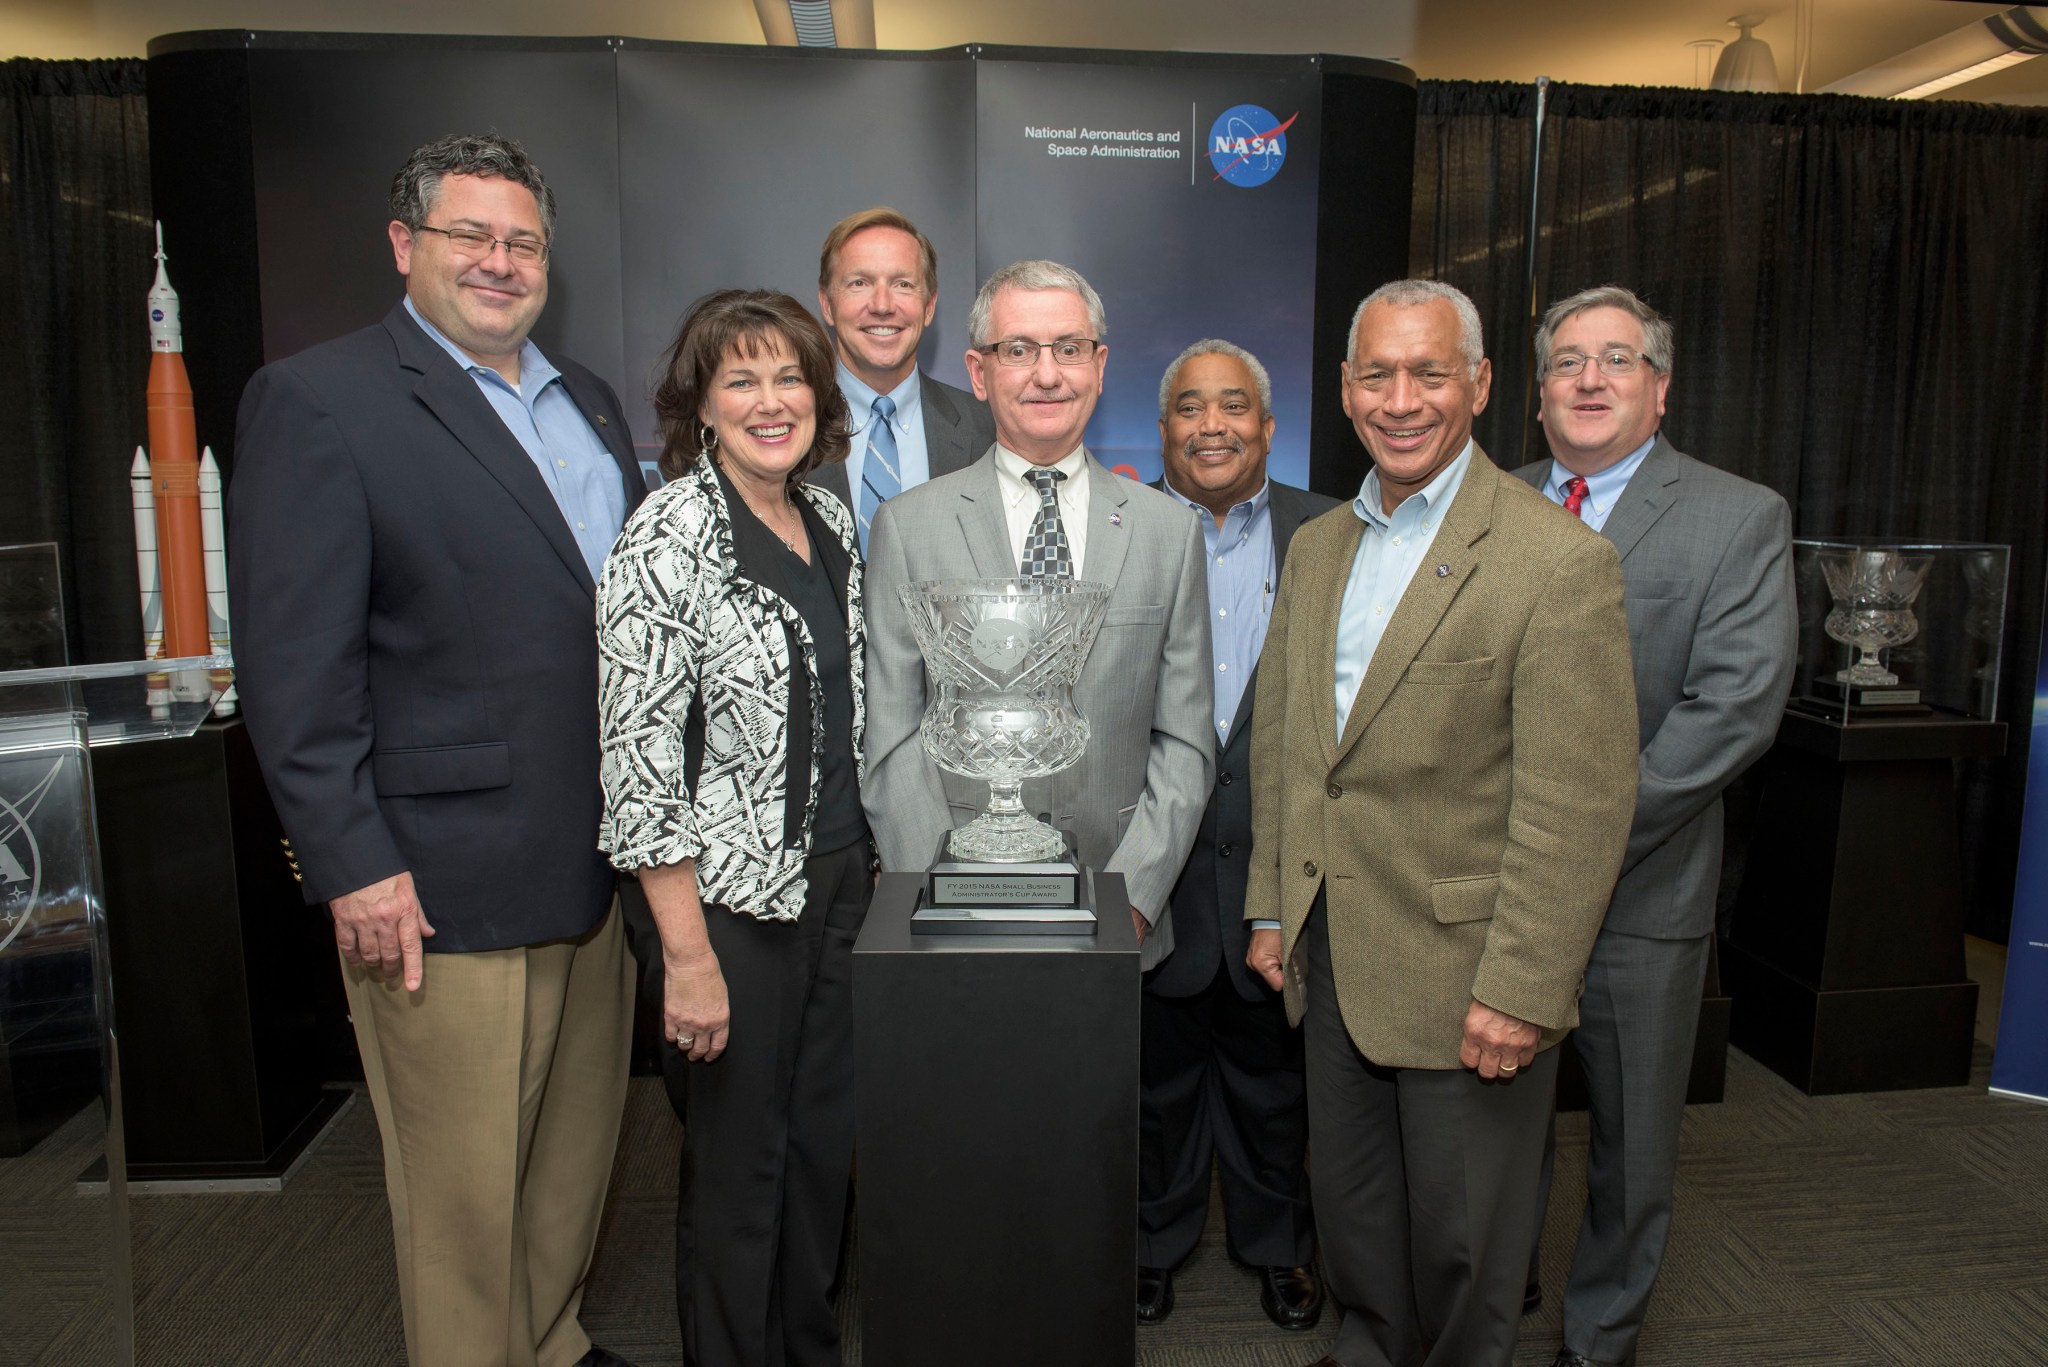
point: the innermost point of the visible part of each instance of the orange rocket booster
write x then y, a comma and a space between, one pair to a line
174, 467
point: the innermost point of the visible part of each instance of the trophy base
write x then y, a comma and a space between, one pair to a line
975, 897
1888, 697
1014, 839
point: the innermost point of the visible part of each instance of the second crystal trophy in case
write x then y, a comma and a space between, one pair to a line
1894, 630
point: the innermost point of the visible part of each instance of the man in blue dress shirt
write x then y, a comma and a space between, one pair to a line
415, 524
1707, 561
1222, 1072
878, 290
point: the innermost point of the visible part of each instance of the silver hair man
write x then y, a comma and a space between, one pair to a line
1407, 294
1216, 346
1032, 275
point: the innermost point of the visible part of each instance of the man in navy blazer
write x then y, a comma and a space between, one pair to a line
878, 290
416, 519
1706, 559
1221, 1071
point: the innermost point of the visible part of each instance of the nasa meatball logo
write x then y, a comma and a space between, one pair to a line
1248, 144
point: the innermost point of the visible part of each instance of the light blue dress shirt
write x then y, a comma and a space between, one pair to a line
1241, 574
913, 461
572, 459
1604, 488
1389, 553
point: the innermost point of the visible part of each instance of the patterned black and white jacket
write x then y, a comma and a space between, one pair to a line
695, 656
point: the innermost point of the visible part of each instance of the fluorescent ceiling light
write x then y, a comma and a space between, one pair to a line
1973, 51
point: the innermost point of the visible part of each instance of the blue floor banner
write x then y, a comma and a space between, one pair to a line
2019, 1068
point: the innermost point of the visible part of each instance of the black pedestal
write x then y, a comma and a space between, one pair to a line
998, 1150
222, 974
1845, 957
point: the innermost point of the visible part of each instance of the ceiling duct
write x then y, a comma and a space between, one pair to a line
817, 23
2020, 34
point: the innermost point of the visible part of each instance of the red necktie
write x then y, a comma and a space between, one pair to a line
1574, 495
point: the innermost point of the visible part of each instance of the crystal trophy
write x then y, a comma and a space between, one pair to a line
1873, 592
1002, 657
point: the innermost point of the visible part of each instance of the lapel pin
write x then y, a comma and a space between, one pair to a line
1443, 571
1116, 519
601, 421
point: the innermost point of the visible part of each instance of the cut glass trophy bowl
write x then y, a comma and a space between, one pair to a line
1002, 657
1873, 608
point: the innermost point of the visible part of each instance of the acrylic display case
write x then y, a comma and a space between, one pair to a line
1898, 631
64, 1249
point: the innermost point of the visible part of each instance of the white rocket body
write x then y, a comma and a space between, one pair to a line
213, 536
144, 500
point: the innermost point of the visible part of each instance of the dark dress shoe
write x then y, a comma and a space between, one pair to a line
601, 1357
1567, 1358
1292, 1297
1155, 1294
1532, 1297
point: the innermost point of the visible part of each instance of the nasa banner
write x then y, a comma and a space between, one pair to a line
1187, 197
2019, 1068
1203, 195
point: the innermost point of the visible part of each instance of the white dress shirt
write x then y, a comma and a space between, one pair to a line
1020, 501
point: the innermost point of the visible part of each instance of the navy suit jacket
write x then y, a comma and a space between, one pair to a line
415, 637
1208, 901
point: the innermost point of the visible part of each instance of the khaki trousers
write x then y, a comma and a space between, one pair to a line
498, 1088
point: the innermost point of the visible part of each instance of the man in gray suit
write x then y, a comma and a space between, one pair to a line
1222, 1072
878, 290
1134, 800
1707, 562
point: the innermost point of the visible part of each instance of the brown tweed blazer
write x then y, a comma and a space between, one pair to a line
1469, 823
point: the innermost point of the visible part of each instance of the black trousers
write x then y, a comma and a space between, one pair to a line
1222, 1080
1425, 1187
768, 1132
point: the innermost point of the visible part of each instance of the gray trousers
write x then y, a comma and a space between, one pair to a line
1635, 1037
1425, 1192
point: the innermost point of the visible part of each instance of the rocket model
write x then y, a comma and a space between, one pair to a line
174, 562
174, 474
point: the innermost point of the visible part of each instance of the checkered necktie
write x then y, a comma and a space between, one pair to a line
1046, 553
879, 480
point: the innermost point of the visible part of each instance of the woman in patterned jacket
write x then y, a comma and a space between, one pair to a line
730, 639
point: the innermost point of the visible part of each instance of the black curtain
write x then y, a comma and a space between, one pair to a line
75, 267
1860, 289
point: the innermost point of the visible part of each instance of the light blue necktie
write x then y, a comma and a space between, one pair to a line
880, 480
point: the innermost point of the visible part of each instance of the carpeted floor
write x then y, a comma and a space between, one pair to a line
1907, 1227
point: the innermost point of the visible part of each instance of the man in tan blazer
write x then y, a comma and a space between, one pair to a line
1444, 770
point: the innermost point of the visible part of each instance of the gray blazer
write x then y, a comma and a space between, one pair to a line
1707, 562
1136, 797
957, 429
1208, 901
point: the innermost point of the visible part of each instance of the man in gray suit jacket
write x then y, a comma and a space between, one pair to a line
1134, 800
878, 290
1707, 562
1222, 1072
